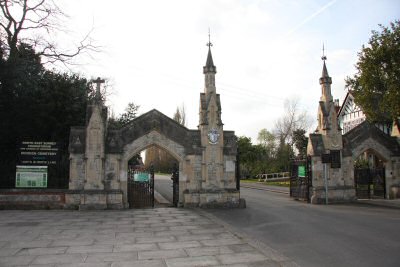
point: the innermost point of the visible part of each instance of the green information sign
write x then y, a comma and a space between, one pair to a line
302, 171
31, 176
141, 177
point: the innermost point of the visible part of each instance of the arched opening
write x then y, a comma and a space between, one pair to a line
152, 166
369, 175
369, 159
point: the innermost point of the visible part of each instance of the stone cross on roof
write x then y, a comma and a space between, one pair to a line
209, 44
98, 82
323, 52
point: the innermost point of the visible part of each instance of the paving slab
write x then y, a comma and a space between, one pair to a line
208, 251
192, 261
160, 237
242, 257
42, 251
59, 258
8, 251
82, 264
222, 242
155, 239
143, 263
134, 247
131, 235
30, 244
90, 249
16, 260
161, 254
72, 242
112, 257
179, 244
192, 237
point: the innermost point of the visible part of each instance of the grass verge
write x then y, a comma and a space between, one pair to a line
250, 181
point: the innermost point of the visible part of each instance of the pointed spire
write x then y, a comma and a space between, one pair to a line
325, 71
324, 58
209, 67
210, 62
325, 76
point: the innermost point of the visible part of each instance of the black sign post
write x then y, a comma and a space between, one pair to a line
326, 158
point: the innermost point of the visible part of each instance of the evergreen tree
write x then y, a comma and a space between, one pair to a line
300, 142
37, 105
130, 113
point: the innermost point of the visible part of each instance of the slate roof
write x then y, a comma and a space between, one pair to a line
209, 62
144, 124
209, 67
367, 130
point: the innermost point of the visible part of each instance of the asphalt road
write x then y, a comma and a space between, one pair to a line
163, 185
316, 235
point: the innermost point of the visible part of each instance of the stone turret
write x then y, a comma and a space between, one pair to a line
330, 183
211, 128
328, 125
209, 71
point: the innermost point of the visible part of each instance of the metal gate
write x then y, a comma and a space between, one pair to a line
175, 186
370, 183
300, 179
141, 188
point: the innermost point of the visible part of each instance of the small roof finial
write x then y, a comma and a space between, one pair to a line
323, 52
209, 44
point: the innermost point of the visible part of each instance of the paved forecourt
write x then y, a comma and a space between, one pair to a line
165, 237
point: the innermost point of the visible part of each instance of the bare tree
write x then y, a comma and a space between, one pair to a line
27, 21
180, 115
292, 120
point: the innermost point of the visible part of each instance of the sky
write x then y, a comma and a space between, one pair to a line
153, 52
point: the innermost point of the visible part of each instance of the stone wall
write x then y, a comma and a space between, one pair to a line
153, 129
32, 199
94, 199
215, 199
339, 181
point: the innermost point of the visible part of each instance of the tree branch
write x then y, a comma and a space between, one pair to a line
35, 16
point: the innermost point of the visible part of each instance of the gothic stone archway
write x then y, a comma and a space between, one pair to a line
341, 186
107, 155
333, 154
207, 156
366, 137
153, 128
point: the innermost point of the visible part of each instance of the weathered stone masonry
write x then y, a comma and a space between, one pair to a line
328, 139
207, 156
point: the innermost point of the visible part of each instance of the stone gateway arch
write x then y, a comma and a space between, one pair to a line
207, 156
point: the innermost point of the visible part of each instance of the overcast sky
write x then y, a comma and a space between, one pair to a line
153, 52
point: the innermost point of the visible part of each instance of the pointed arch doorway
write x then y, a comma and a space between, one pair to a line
153, 178
369, 175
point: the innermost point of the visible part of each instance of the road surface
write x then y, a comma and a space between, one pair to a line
316, 235
163, 185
